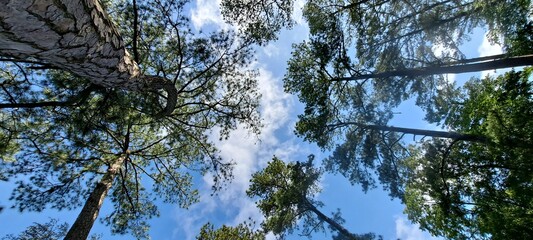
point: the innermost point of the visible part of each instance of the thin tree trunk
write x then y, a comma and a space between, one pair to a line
343, 231
420, 132
497, 62
83, 224
76, 36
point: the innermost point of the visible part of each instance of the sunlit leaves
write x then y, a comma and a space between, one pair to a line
243, 231
59, 150
259, 21
285, 192
478, 190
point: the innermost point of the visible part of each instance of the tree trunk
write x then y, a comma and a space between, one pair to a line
83, 224
343, 231
76, 36
420, 132
499, 61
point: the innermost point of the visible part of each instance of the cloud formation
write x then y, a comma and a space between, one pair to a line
407, 231
250, 153
207, 12
487, 49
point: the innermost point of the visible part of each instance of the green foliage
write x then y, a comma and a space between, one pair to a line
44, 231
285, 192
355, 38
61, 133
471, 190
513, 31
261, 20
50, 230
243, 231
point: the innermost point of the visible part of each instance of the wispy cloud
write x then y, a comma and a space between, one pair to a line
298, 13
271, 50
250, 154
207, 12
487, 49
407, 231
439, 51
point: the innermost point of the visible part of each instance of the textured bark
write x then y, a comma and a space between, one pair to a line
77, 36
483, 64
83, 224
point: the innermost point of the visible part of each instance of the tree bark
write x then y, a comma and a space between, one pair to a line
343, 231
83, 224
76, 36
420, 132
499, 61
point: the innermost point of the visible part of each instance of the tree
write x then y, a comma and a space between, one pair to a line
464, 190
45, 231
286, 196
364, 58
79, 37
260, 20
242, 231
50, 230
70, 142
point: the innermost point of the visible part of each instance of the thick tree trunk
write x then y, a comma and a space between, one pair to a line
420, 132
83, 224
484, 63
343, 231
77, 36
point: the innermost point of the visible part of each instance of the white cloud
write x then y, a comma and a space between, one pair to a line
487, 49
250, 155
407, 231
207, 12
297, 12
271, 50
439, 50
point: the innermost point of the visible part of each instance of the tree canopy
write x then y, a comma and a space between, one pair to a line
286, 195
117, 100
463, 189
242, 231
67, 141
364, 58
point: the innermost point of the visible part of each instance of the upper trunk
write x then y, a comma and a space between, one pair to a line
343, 231
77, 36
421, 132
83, 224
474, 65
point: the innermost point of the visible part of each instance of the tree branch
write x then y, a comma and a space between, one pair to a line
422, 132
481, 64
75, 100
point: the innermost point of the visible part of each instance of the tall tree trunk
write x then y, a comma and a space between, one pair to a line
83, 224
483, 64
343, 231
421, 132
76, 36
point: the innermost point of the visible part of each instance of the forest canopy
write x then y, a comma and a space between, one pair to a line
118, 101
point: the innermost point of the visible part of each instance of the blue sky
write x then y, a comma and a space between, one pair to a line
371, 212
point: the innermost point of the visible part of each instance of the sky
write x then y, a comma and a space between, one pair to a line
370, 212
